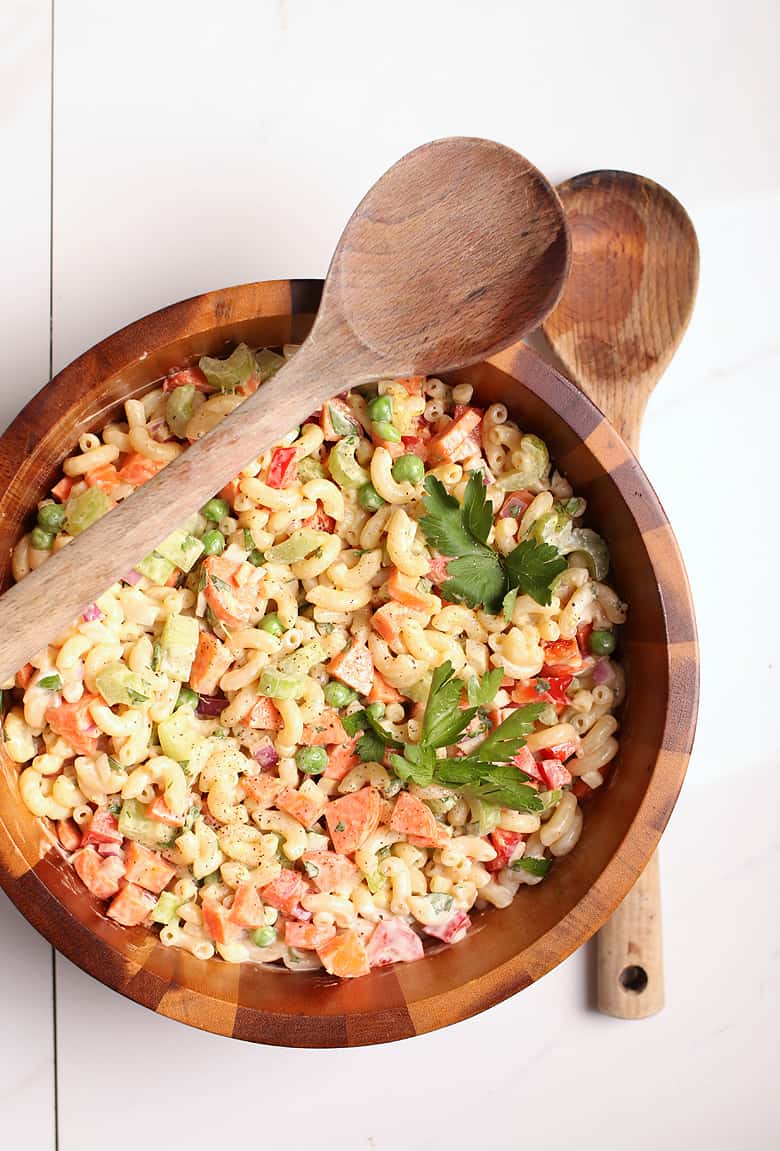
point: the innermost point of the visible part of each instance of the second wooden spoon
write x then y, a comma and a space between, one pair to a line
635, 268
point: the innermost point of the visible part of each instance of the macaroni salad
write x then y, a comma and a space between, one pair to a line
360, 694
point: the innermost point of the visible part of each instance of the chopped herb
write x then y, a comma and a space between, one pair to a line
114, 764
340, 826
156, 656
533, 866
311, 869
50, 683
136, 697
440, 902
482, 692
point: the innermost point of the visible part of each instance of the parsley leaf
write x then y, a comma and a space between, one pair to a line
372, 743
532, 865
416, 764
482, 692
476, 575
508, 606
507, 739
444, 721
532, 567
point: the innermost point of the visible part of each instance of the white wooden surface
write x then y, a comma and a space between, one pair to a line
196, 145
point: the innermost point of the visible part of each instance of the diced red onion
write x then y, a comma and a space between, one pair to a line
92, 612
301, 913
209, 705
266, 756
133, 577
603, 672
159, 430
92, 729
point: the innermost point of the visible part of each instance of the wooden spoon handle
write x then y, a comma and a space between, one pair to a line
630, 952
47, 601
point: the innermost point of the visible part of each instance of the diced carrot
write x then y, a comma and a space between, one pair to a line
147, 868
352, 818
217, 921
328, 870
403, 589
341, 759
414, 819
61, 490
24, 675
388, 620
68, 834
306, 808
354, 667
307, 936
105, 478
232, 589
103, 828
137, 469
74, 723
212, 660
247, 909
286, 891
158, 809
100, 876
413, 384
382, 692
458, 440
230, 491
132, 906
345, 955
263, 789
264, 715
326, 729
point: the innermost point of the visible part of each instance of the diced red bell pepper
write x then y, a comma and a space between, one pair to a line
583, 636
158, 809
103, 828
505, 844
555, 774
561, 656
393, 941
452, 930
328, 870
187, 376
320, 521
283, 468
307, 936
286, 891
562, 751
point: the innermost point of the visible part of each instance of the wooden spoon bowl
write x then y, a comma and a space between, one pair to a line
509, 949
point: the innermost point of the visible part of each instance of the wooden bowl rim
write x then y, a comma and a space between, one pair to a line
245, 302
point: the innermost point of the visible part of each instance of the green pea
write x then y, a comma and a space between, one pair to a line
369, 498
213, 543
264, 936
41, 540
272, 624
51, 517
215, 509
311, 760
187, 698
338, 694
380, 410
387, 432
256, 557
409, 468
602, 642
376, 710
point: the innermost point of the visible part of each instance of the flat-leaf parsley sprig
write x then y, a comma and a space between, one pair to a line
478, 575
488, 772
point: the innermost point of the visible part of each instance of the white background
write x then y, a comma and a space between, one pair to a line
187, 145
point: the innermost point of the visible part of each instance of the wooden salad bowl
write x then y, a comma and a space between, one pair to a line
506, 950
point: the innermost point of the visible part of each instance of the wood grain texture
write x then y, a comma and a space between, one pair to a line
507, 950
634, 273
630, 294
426, 278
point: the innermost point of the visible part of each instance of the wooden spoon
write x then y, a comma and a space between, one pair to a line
457, 251
634, 271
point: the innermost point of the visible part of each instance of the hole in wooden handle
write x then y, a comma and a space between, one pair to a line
633, 978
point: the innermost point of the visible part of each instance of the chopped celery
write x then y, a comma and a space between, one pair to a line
277, 685
118, 684
297, 546
590, 547
178, 409
552, 528
231, 373
310, 469
304, 659
344, 468
419, 690
178, 644
181, 548
167, 904
343, 425
155, 567
550, 798
84, 509
179, 734
375, 880
134, 823
487, 815
268, 363
440, 902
